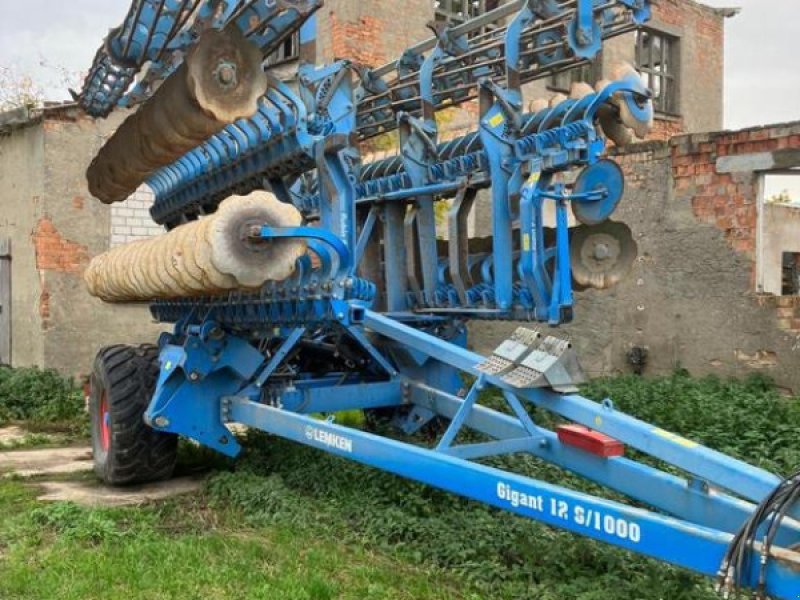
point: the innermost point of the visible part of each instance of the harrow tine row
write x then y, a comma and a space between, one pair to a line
159, 32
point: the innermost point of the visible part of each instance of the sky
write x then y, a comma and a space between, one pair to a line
762, 77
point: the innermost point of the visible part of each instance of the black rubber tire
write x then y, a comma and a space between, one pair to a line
135, 452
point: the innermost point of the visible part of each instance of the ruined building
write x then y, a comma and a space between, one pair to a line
711, 289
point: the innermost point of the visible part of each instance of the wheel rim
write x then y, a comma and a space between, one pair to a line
105, 422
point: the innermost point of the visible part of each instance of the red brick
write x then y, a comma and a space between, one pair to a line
746, 217
721, 202
744, 246
725, 222
54, 253
786, 301
363, 42
724, 179
701, 168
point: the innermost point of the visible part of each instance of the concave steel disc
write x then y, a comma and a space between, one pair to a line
601, 255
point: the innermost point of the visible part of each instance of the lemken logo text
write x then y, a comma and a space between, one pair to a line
329, 439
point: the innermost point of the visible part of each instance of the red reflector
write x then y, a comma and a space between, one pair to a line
590, 441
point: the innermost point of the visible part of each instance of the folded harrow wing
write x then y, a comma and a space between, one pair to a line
300, 278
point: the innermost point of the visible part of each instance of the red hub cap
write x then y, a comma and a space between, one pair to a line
105, 422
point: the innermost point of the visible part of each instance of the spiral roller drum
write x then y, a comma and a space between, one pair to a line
206, 257
220, 81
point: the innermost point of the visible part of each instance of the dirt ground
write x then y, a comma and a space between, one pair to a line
47, 469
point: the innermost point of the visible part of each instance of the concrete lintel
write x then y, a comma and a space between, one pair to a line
668, 28
760, 161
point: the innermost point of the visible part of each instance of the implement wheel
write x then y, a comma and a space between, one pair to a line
127, 451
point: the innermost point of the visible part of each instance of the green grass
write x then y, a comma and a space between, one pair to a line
294, 523
181, 549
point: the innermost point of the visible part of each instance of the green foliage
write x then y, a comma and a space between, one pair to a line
495, 553
747, 419
351, 418
347, 418
72, 522
44, 396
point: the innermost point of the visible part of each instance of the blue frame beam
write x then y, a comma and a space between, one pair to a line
693, 547
751, 482
672, 494
358, 396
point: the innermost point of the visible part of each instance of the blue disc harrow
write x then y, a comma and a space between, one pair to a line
374, 316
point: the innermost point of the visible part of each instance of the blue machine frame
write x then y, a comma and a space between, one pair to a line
696, 516
383, 304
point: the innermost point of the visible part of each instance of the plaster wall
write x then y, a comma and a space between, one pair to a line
21, 196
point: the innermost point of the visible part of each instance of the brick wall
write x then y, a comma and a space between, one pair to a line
718, 174
131, 220
55, 228
360, 41
370, 33
787, 311
665, 128
691, 298
700, 31
56, 253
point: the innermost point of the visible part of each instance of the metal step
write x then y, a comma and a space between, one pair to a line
529, 359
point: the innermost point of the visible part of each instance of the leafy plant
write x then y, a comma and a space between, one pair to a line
32, 394
747, 419
72, 522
